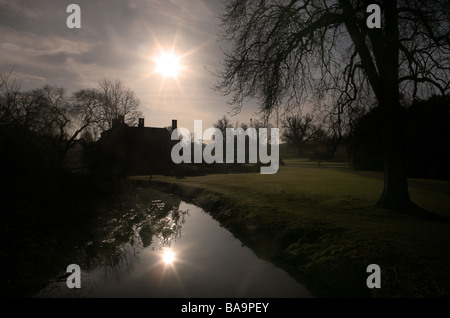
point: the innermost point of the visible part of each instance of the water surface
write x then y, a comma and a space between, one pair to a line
154, 245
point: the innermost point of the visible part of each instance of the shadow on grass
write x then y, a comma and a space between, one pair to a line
424, 214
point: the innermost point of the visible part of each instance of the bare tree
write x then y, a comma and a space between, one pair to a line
286, 52
222, 124
67, 120
297, 130
116, 100
9, 96
53, 107
61, 117
87, 112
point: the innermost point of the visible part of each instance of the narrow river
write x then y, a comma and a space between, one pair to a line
152, 244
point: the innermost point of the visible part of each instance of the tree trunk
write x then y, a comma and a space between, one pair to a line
395, 194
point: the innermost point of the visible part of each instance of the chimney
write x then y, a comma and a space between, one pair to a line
141, 123
174, 124
115, 123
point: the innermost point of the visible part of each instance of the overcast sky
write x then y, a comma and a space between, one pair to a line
119, 39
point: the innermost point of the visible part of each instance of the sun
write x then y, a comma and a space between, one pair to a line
168, 256
168, 65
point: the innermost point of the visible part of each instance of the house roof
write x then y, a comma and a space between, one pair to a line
125, 131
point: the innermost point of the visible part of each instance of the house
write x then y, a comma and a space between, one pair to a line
140, 150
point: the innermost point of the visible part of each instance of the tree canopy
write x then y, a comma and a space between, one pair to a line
288, 52
49, 113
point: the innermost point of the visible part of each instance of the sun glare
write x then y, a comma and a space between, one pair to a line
168, 256
168, 65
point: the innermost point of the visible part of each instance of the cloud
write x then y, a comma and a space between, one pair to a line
18, 8
116, 40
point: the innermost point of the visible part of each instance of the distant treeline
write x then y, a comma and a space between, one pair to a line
45, 207
43, 130
427, 136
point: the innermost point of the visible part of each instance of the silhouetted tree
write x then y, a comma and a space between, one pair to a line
46, 112
324, 146
284, 51
86, 111
116, 100
365, 147
10, 99
64, 120
222, 124
427, 139
297, 130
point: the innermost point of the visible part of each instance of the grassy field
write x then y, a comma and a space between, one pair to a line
304, 162
320, 224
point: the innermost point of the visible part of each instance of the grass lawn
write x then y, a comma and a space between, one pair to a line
313, 163
321, 225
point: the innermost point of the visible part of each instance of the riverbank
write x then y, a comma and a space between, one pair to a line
42, 225
321, 226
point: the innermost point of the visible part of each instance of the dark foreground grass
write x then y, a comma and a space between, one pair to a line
320, 224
